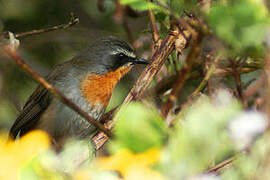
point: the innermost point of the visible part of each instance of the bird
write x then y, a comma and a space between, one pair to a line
88, 80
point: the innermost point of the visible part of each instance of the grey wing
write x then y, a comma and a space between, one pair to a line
37, 103
34, 107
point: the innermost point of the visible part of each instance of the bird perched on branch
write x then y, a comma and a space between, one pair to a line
87, 80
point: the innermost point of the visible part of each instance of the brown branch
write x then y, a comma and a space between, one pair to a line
100, 138
221, 165
206, 78
153, 25
218, 72
237, 80
158, 59
254, 87
128, 31
167, 83
120, 17
73, 20
228, 71
119, 11
183, 75
199, 88
208, 62
54, 91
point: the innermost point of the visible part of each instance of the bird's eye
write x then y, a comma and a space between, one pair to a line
121, 55
120, 59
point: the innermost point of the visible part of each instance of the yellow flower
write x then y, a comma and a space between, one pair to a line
82, 175
143, 173
129, 164
14, 154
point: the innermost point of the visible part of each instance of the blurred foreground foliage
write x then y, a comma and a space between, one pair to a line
200, 135
240, 25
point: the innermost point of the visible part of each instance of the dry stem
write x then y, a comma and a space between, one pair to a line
182, 75
237, 80
153, 25
167, 83
158, 59
206, 78
73, 20
221, 165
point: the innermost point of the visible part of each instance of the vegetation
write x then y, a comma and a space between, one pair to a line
199, 110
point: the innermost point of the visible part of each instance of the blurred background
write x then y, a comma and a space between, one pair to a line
44, 51
220, 113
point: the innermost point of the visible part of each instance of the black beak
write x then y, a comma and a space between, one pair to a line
139, 60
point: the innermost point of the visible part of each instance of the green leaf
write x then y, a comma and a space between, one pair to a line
179, 6
140, 4
240, 25
139, 128
201, 137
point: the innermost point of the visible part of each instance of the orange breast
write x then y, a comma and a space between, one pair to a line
98, 88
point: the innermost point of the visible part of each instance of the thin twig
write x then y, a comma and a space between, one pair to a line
209, 84
237, 80
73, 20
153, 25
253, 88
54, 91
221, 165
198, 89
128, 31
206, 78
218, 72
182, 75
119, 11
167, 83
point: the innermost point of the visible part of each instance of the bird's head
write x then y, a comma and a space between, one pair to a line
108, 60
109, 54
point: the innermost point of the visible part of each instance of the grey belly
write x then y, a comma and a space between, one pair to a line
61, 122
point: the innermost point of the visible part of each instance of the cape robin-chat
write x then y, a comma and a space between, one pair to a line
88, 80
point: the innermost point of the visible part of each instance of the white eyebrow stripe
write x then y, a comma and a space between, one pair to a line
127, 53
